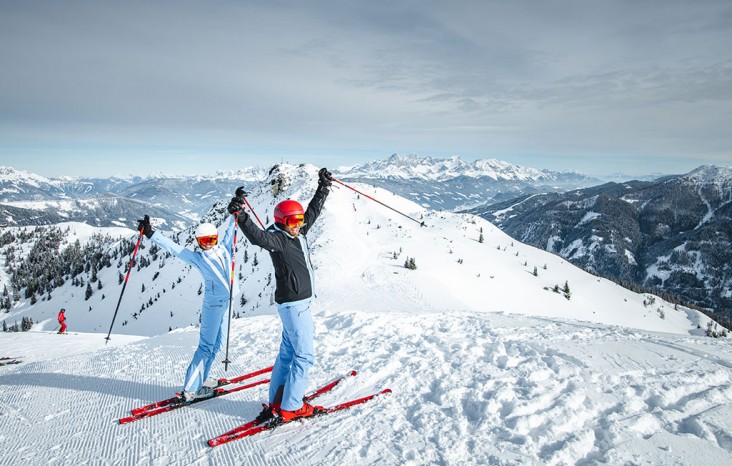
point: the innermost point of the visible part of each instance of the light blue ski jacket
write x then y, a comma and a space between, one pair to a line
214, 264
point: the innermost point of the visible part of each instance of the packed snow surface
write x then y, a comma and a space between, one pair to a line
468, 388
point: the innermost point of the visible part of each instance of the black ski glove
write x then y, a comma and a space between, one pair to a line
145, 226
236, 206
324, 177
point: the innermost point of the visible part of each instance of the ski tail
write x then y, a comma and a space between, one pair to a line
241, 378
358, 401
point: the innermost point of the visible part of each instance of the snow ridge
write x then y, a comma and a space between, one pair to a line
435, 169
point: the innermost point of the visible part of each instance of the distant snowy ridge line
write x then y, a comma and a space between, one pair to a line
436, 169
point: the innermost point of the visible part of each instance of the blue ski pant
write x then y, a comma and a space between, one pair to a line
214, 326
296, 357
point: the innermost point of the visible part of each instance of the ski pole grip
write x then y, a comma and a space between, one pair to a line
240, 192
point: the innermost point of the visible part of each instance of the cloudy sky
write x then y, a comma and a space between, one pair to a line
100, 87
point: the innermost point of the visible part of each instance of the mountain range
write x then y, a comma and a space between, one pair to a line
30, 199
454, 184
667, 234
460, 259
447, 184
672, 235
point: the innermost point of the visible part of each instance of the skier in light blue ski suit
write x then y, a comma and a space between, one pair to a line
213, 261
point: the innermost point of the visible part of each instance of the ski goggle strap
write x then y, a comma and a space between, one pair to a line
293, 221
207, 241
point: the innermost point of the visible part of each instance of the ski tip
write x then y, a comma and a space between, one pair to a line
386, 390
353, 373
213, 443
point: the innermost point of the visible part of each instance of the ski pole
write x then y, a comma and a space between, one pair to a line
239, 193
377, 201
129, 269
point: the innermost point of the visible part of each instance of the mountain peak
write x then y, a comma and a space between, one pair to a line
436, 169
13, 175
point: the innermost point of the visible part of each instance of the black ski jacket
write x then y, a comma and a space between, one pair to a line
290, 256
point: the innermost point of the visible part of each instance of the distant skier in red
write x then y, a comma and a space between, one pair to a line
62, 320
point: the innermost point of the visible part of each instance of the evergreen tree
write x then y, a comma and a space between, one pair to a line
88, 293
565, 290
26, 324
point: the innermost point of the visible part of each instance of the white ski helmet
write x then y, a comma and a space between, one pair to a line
206, 235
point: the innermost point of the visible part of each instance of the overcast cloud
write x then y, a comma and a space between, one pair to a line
186, 86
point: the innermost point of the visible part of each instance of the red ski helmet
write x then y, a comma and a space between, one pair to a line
287, 208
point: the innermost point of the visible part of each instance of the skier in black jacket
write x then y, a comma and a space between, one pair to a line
288, 247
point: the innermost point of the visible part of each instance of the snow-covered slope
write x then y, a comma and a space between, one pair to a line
468, 388
672, 235
487, 364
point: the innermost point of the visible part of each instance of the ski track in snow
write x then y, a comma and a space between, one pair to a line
469, 388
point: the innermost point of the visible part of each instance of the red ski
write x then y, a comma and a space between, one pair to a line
251, 428
322, 390
177, 402
221, 383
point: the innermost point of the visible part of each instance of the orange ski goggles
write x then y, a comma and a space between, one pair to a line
293, 221
207, 241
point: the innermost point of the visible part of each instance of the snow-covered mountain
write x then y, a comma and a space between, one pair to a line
436, 169
455, 268
446, 184
674, 234
19, 185
452, 184
30, 199
487, 363
103, 210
